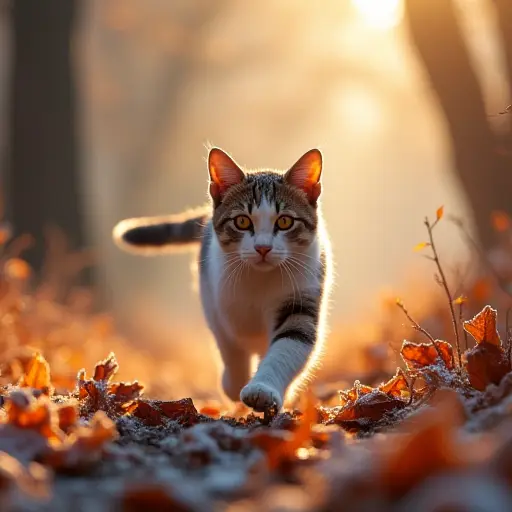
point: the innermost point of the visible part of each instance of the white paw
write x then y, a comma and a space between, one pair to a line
261, 396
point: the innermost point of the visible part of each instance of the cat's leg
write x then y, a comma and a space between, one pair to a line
237, 368
293, 339
284, 361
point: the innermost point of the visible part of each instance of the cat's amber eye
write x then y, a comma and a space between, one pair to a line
285, 222
243, 222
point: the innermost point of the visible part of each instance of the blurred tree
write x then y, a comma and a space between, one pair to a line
483, 157
43, 185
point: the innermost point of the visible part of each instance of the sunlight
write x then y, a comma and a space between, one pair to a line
383, 14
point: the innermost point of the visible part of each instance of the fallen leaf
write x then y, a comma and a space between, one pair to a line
427, 445
106, 369
483, 327
419, 355
486, 364
37, 375
395, 385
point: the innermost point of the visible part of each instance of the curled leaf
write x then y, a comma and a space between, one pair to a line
483, 327
419, 355
395, 385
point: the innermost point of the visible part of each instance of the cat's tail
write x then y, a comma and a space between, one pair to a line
159, 235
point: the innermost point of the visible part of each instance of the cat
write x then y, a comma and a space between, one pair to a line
264, 269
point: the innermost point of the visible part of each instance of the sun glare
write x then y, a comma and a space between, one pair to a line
383, 14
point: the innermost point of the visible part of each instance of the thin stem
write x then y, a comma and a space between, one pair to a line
444, 284
509, 336
423, 331
461, 319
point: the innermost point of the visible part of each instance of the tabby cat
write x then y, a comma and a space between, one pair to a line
264, 270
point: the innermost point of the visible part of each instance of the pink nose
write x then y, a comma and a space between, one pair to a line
263, 249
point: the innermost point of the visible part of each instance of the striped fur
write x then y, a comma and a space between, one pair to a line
163, 234
264, 267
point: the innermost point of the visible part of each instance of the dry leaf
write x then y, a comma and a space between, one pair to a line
440, 213
37, 375
106, 369
281, 446
486, 364
483, 327
427, 446
419, 355
395, 385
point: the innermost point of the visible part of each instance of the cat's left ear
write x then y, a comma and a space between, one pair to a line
305, 174
224, 173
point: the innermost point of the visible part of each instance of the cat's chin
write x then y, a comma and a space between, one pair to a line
263, 266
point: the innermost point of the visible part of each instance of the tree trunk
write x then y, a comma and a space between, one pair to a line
43, 182
483, 160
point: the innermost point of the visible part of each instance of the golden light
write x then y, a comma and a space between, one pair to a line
383, 14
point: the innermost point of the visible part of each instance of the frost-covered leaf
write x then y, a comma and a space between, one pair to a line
483, 327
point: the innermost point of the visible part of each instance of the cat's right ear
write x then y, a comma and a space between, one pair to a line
224, 173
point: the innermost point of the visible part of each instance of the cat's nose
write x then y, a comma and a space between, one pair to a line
263, 249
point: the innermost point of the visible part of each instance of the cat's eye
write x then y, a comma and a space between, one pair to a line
243, 222
285, 222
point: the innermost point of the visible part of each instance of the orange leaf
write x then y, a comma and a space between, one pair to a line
395, 385
500, 221
440, 213
418, 355
486, 364
37, 375
107, 368
419, 247
483, 327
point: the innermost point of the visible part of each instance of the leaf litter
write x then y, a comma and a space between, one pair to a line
92, 442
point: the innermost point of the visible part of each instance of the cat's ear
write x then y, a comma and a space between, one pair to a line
224, 173
305, 174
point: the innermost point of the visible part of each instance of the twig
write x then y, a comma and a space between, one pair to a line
444, 284
508, 335
423, 331
461, 319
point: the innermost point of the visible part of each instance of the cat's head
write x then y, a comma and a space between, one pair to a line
265, 218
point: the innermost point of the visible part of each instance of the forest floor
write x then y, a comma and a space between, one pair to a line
435, 435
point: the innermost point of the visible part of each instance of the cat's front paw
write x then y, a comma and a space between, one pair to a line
261, 396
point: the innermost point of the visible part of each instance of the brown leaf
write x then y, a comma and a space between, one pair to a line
84, 447
281, 446
427, 446
182, 410
150, 415
106, 369
486, 363
395, 385
37, 375
125, 391
151, 496
419, 355
68, 416
483, 327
